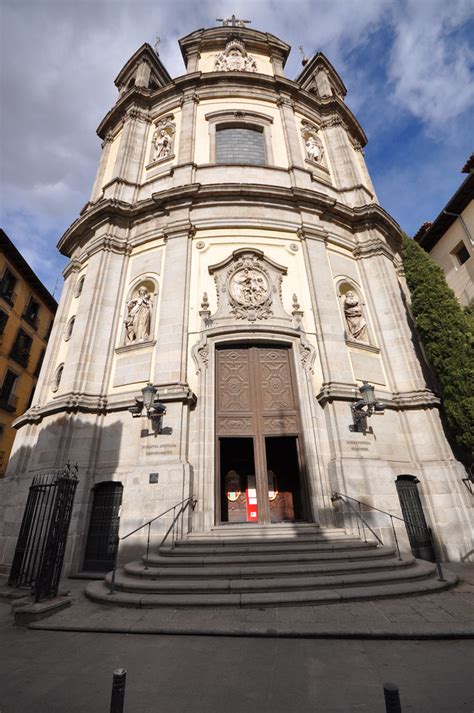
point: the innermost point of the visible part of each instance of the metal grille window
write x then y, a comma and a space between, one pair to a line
8, 400
31, 312
21, 348
240, 145
3, 320
7, 286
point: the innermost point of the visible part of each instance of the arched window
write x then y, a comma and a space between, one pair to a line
240, 144
57, 378
69, 328
79, 286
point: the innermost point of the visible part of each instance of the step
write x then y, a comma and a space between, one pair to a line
123, 582
262, 558
137, 569
98, 591
248, 531
279, 546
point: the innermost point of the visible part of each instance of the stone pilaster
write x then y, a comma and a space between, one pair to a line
333, 352
104, 158
171, 357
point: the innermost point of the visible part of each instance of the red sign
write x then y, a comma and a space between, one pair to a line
252, 506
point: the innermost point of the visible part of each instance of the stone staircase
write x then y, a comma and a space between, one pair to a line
303, 565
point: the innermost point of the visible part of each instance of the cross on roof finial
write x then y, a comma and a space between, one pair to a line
233, 21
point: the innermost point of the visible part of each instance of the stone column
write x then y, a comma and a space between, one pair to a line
43, 387
389, 315
187, 138
341, 155
130, 157
93, 339
333, 352
298, 173
97, 188
172, 329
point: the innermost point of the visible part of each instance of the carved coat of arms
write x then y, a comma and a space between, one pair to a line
249, 287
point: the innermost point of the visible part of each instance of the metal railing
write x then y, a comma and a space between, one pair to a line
357, 511
173, 529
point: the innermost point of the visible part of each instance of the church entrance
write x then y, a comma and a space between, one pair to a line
259, 454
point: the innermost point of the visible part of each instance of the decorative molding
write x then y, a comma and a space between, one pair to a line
134, 346
363, 345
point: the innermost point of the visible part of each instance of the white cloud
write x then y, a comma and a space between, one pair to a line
430, 65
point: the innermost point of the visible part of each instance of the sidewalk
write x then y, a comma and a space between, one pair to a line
448, 614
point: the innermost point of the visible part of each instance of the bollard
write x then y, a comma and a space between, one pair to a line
118, 690
392, 698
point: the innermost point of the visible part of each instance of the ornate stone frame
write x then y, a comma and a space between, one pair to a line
240, 118
203, 354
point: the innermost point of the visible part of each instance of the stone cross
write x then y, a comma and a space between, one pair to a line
233, 21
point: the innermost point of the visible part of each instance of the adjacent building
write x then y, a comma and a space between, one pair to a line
450, 238
26, 317
234, 256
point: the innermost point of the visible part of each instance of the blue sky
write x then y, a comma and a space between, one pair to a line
408, 66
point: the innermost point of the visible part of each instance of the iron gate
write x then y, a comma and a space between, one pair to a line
417, 529
40, 547
102, 537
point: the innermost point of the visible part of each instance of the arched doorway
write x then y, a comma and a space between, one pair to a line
259, 453
102, 536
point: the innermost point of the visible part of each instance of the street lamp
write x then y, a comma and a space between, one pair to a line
364, 408
155, 410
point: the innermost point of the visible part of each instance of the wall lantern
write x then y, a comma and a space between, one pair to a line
155, 410
364, 408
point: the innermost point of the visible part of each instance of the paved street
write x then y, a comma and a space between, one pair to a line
63, 672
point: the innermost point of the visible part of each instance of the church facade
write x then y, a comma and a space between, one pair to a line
233, 255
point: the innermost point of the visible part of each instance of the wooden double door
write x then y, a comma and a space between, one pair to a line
258, 436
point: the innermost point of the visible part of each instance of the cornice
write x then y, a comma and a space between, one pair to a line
327, 208
200, 86
99, 404
396, 401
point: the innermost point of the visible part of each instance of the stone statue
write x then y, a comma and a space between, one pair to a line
356, 325
314, 150
138, 319
162, 144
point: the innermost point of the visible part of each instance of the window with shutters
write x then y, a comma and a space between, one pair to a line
239, 144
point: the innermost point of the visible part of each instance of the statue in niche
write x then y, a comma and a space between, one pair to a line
162, 144
314, 150
356, 324
138, 321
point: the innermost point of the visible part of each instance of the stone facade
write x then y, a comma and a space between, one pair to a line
165, 219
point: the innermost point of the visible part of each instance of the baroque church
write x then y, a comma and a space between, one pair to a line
234, 331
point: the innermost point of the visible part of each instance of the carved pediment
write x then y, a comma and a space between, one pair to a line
248, 286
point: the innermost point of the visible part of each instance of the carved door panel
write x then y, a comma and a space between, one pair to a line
255, 398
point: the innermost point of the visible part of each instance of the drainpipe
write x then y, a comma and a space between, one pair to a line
466, 229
